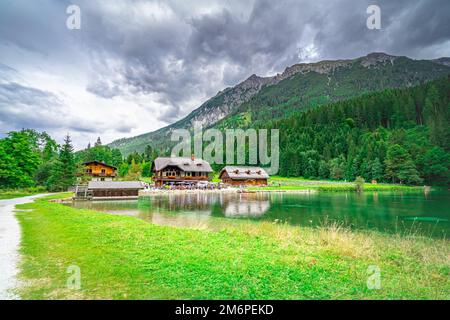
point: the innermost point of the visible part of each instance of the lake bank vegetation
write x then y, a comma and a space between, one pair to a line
127, 258
392, 136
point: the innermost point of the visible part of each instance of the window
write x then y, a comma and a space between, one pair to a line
170, 173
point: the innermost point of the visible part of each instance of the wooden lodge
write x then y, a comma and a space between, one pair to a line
176, 171
244, 176
99, 171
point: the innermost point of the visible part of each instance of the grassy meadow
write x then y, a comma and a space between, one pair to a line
127, 258
298, 183
17, 193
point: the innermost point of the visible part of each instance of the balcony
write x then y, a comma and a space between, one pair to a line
180, 178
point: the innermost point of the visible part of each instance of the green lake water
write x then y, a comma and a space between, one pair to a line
427, 214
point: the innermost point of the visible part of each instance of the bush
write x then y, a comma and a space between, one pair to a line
359, 184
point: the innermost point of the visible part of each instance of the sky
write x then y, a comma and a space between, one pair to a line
135, 66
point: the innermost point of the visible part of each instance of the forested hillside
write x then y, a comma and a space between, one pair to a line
396, 135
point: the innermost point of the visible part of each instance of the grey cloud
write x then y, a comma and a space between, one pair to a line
14, 94
27, 107
180, 53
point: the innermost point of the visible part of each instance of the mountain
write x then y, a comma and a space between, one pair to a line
300, 87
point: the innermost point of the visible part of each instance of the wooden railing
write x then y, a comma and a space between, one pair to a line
180, 178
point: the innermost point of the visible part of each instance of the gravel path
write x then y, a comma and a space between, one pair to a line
9, 244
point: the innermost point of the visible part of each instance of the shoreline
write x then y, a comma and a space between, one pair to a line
146, 193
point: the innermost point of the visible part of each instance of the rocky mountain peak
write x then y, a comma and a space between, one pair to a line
254, 82
322, 67
376, 58
444, 61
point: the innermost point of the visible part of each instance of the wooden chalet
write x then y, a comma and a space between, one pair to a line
242, 176
176, 170
99, 171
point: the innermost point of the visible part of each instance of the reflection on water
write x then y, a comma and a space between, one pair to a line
246, 208
385, 211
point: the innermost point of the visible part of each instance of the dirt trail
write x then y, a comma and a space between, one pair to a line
9, 244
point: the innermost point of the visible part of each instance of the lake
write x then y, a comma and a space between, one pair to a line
428, 214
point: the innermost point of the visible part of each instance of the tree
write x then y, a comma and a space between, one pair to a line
8, 171
148, 153
324, 171
44, 172
408, 173
400, 167
116, 157
436, 166
396, 157
359, 184
377, 170
19, 158
146, 169
98, 142
123, 169
436, 117
134, 156
336, 166
134, 171
64, 171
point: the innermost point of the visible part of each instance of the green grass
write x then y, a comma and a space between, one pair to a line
337, 187
299, 183
146, 180
17, 193
127, 258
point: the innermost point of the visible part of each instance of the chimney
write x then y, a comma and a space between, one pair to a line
192, 157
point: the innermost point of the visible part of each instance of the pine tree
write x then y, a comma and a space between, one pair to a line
436, 166
64, 171
98, 142
116, 157
408, 173
396, 156
377, 170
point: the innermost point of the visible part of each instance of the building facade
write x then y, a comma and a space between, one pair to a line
99, 171
177, 171
114, 189
244, 176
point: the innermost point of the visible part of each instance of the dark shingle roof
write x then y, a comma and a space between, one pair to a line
244, 173
185, 164
99, 162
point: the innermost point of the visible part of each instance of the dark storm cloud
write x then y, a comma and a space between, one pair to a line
180, 52
408, 28
24, 107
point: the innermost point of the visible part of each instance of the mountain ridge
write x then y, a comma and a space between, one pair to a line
330, 77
